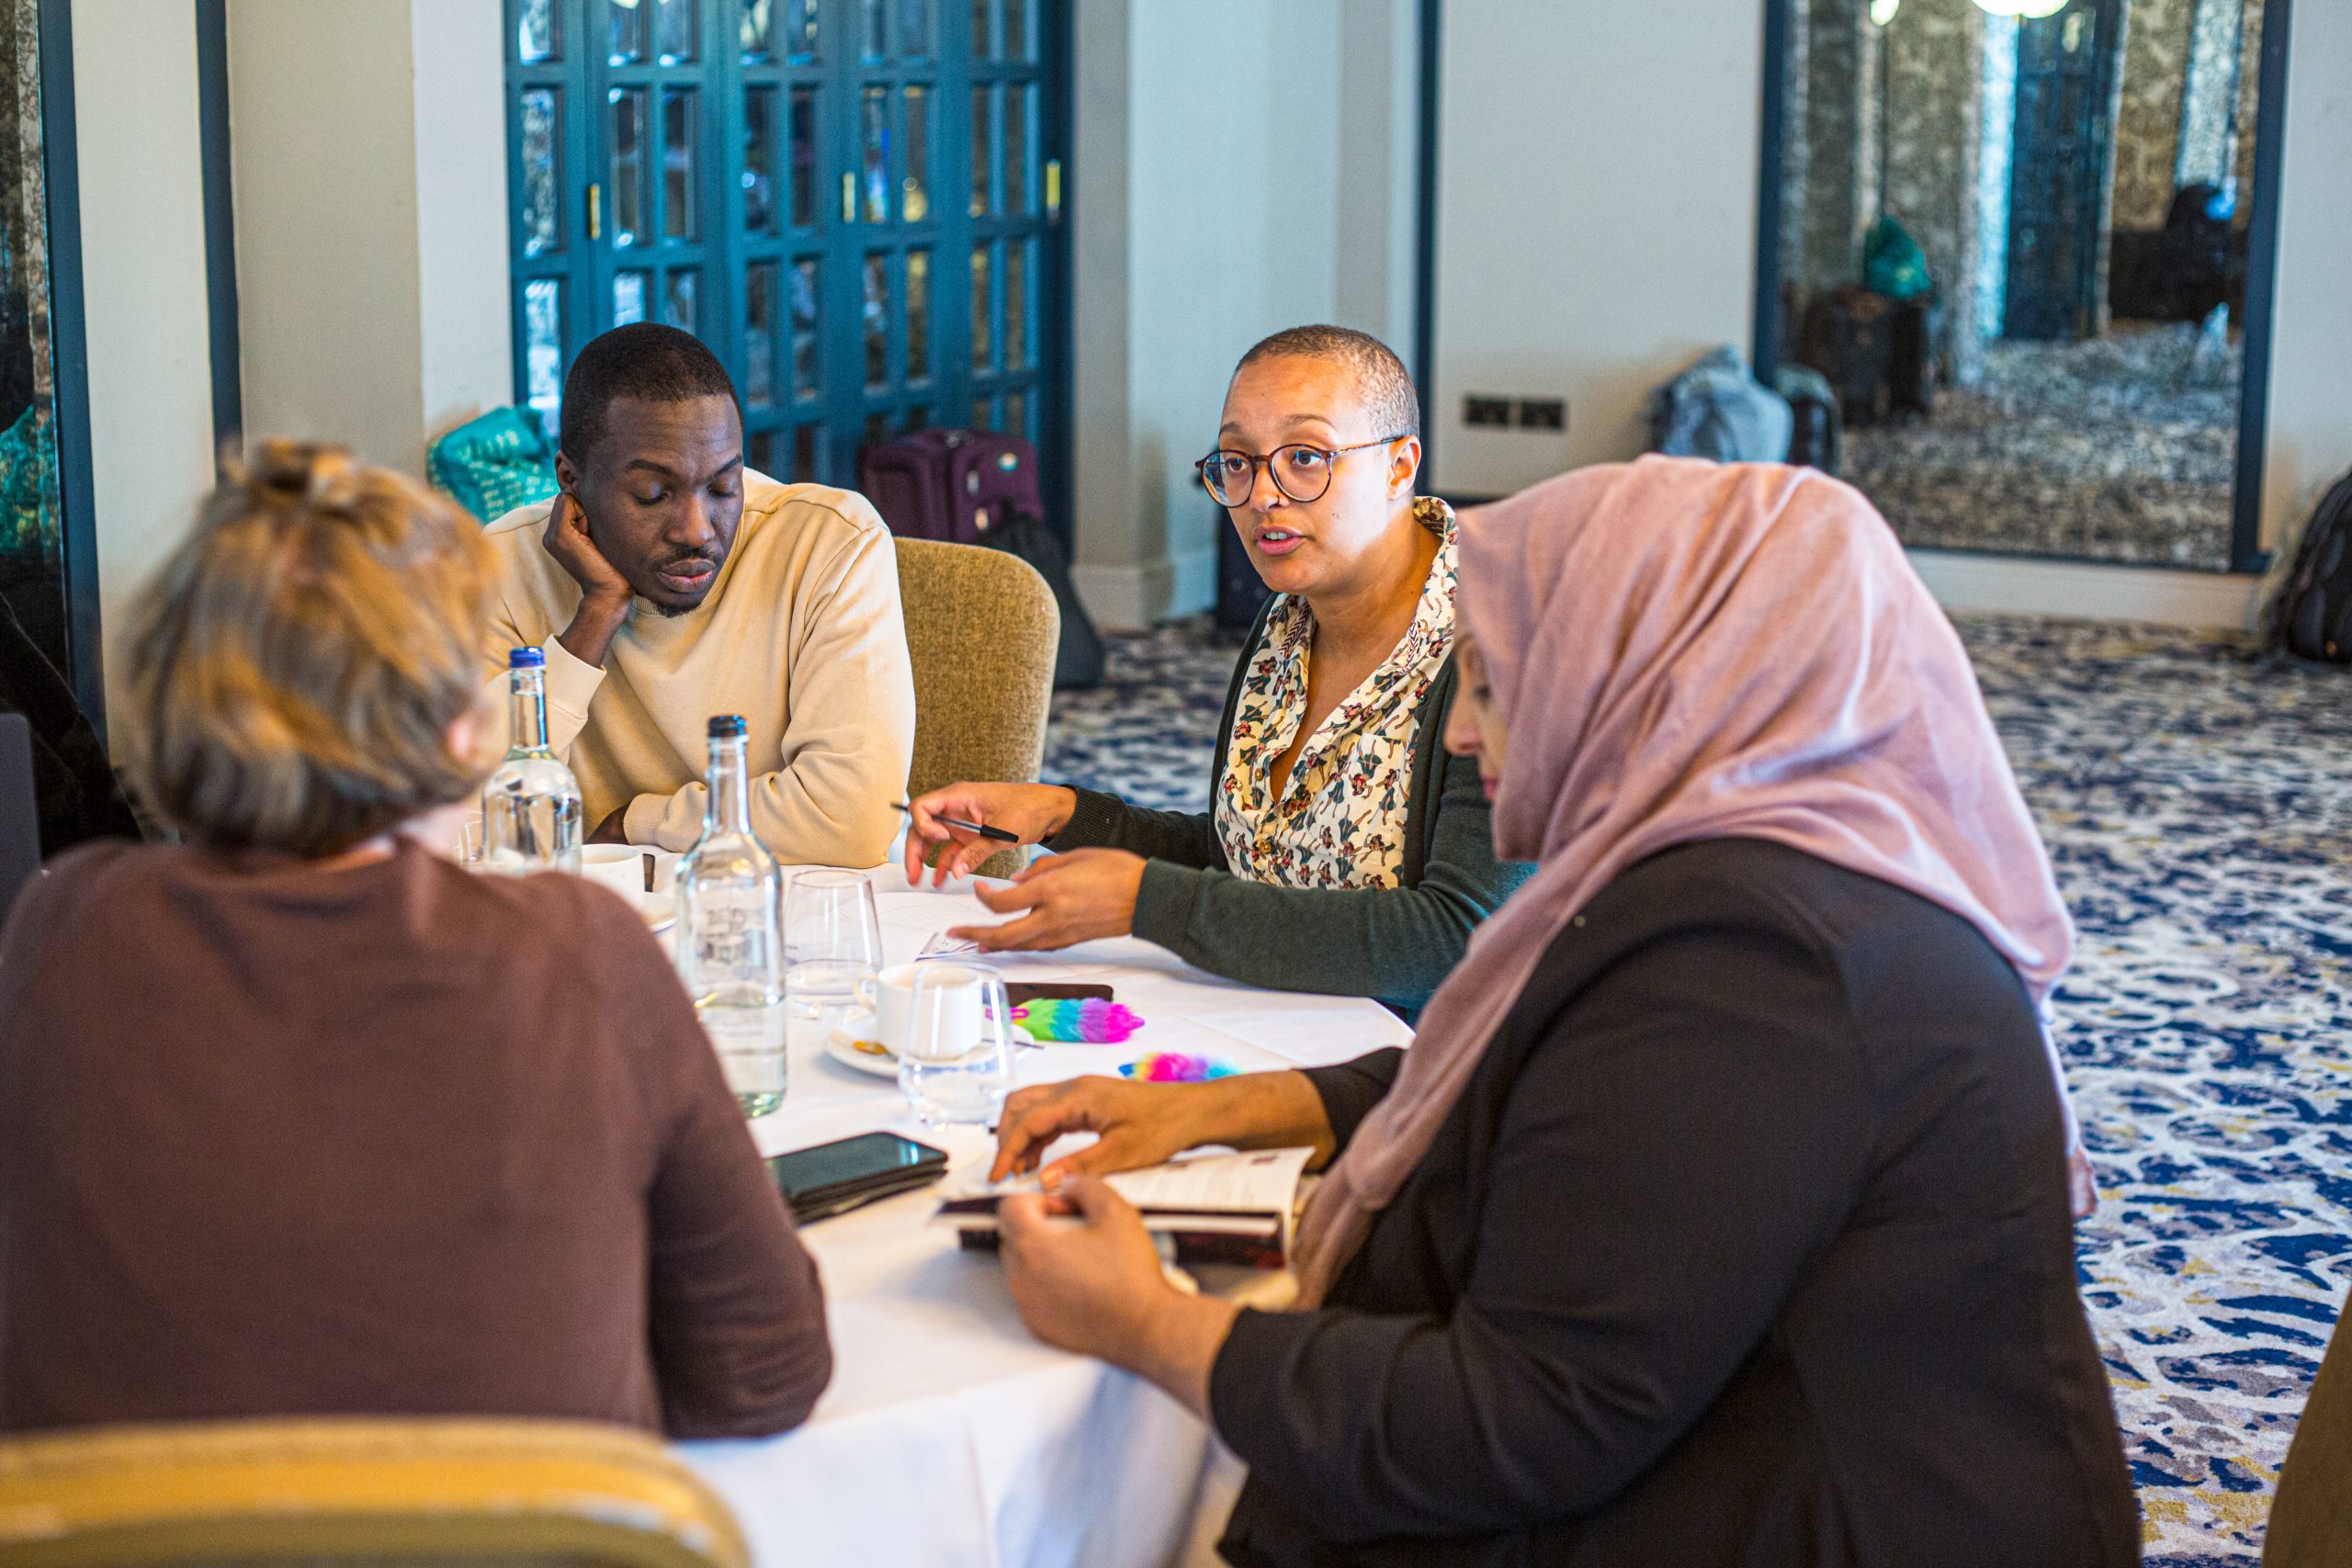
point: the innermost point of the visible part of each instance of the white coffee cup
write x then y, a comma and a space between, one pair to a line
620, 867
890, 994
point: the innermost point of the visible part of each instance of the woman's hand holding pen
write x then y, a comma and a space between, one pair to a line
1029, 813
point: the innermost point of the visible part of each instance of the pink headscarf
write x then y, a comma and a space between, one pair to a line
1686, 650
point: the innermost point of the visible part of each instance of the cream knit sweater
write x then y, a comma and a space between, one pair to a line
802, 634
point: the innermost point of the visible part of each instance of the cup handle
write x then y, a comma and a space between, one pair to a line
869, 994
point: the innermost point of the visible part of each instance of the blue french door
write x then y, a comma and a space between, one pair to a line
857, 204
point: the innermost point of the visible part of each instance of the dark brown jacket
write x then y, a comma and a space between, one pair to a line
395, 1139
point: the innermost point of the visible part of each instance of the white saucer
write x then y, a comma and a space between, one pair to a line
659, 909
842, 1044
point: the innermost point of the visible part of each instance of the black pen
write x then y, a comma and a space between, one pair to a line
982, 829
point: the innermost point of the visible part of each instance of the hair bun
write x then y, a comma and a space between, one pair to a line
313, 473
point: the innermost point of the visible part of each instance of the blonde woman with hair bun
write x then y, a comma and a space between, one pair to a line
299, 1117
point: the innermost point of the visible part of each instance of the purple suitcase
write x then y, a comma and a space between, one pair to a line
960, 486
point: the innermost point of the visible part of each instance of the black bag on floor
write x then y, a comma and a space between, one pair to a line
1911, 376
2311, 617
1078, 662
1849, 338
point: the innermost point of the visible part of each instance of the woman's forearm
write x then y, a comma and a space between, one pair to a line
1264, 1110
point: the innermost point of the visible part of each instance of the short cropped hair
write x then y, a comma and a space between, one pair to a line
297, 661
1387, 390
644, 360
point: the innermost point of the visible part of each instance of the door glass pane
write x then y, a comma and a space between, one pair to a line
918, 418
802, 156
914, 198
760, 451
678, 163
804, 454
800, 30
759, 334
628, 165
873, 31
629, 297
1016, 305
759, 160
673, 30
804, 328
917, 315
914, 29
755, 34
982, 416
627, 31
982, 147
678, 308
543, 349
981, 29
878, 429
1016, 33
537, 40
542, 231
874, 140
1016, 414
1016, 150
983, 354
877, 322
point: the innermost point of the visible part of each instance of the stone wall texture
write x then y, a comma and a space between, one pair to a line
2147, 134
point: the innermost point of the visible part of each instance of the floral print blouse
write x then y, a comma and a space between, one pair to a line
1340, 821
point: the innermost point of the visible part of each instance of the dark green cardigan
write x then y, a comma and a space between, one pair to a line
1393, 945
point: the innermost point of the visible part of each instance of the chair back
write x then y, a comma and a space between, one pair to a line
19, 810
981, 631
329, 1493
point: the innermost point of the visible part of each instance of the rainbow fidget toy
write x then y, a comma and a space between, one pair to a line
1092, 1022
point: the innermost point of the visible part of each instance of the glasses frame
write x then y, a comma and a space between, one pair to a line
1331, 455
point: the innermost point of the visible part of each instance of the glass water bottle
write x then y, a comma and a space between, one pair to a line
530, 807
729, 931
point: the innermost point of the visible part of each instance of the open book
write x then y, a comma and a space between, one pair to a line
1233, 1207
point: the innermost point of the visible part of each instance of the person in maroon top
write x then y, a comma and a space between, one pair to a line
298, 1117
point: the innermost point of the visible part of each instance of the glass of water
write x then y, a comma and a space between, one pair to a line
832, 941
955, 1065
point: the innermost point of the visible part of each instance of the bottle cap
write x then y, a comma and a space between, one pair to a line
726, 727
526, 659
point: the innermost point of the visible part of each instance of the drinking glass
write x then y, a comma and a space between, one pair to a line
832, 941
955, 1065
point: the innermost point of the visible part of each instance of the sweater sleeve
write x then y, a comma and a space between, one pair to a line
1392, 944
735, 1306
1683, 1137
1106, 822
850, 735
1350, 1089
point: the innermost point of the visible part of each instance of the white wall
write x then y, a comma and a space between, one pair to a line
1596, 216
143, 291
368, 143
1219, 193
2311, 359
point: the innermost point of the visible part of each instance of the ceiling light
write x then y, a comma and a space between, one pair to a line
2027, 10
1882, 11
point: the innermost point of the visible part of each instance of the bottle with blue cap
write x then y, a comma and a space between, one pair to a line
530, 807
730, 931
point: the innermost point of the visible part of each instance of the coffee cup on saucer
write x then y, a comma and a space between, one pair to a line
620, 867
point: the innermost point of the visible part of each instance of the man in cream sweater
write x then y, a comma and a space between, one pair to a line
668, 582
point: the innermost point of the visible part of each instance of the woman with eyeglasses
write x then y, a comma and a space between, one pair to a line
1346, 853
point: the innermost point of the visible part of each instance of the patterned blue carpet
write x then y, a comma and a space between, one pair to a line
2199, 811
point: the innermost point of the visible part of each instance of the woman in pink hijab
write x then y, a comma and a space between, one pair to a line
1718, 1214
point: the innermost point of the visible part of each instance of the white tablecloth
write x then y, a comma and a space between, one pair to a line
949, 1436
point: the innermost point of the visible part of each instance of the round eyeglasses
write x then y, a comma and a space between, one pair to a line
1301, 471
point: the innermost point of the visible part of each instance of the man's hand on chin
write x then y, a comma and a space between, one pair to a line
604, 592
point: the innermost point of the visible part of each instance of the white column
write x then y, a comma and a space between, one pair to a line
370, 151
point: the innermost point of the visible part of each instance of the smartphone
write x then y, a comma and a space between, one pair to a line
836, 1176
1019, 994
